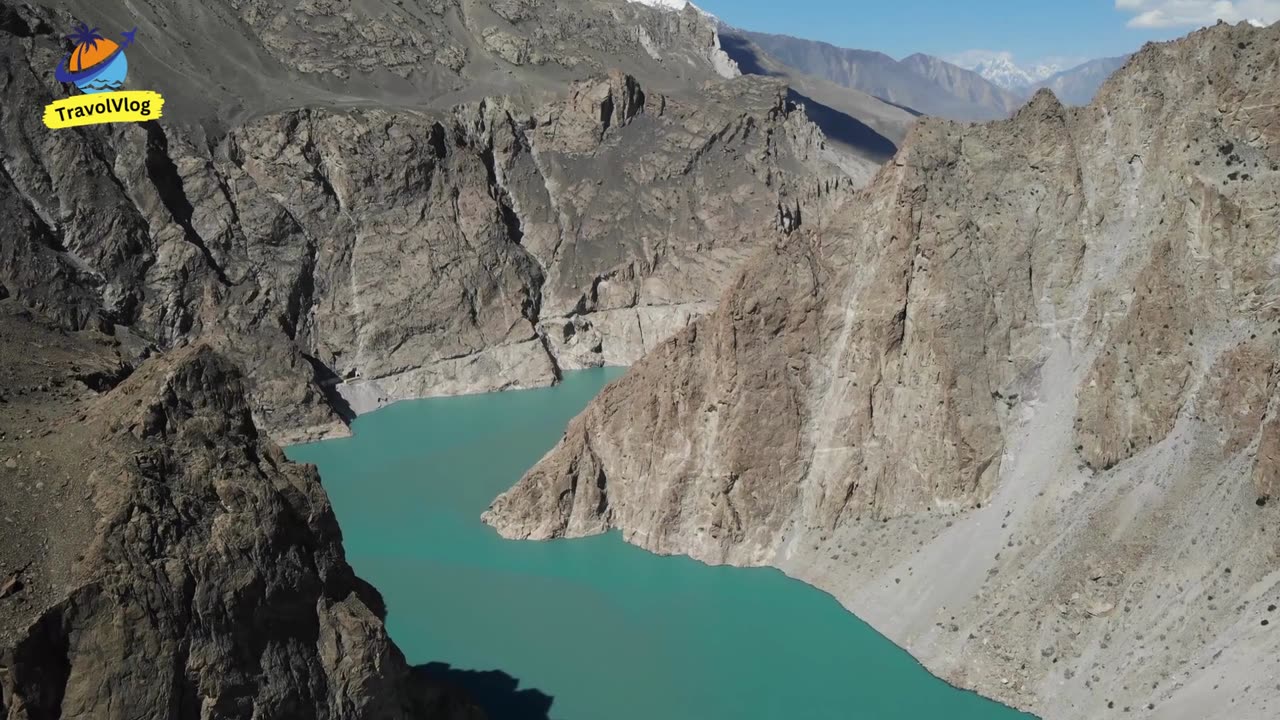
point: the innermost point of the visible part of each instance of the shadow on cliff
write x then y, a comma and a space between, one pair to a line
742, 51
498, 693
844, 128
838, 126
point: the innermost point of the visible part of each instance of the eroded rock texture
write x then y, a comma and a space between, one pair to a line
346, 258
223, 62
1014, 403
166, 560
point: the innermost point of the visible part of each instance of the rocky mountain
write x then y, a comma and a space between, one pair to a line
970, 87
1016, 403
1078, 85
246, 58
1002, 71
1074, 86
347, 254
922, 83
160, 558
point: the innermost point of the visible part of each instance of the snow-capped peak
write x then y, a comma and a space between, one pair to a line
1001, 69
673, 4
723, 64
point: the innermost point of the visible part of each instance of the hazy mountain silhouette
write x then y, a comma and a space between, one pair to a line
923, 83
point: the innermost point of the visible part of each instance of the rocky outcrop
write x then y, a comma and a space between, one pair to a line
1014, 403
175, 564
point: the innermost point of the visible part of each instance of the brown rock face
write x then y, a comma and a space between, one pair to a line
1018, 393
1266, 472
611, 103
172, 562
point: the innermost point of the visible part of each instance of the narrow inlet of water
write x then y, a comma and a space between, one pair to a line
590, 629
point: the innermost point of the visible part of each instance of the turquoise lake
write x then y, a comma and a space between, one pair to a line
590, 629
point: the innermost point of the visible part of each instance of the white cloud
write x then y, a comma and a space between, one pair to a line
1196, 13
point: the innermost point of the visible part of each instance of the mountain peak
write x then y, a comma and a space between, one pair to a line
673, 4
1001, 69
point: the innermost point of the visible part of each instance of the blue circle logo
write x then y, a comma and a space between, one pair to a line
96, 64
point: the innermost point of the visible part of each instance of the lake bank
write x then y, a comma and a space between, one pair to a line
590, 628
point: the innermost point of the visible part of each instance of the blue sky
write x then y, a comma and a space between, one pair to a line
1032, 30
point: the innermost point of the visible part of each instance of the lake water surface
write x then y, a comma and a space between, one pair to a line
591, 629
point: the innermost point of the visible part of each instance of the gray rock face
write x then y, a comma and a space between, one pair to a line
175, 564
351, 257
239, 59
1019, 393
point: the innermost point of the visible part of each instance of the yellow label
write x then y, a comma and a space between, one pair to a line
111, 107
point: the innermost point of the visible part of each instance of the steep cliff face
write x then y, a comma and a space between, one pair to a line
166, 560
350, 257
1014, 403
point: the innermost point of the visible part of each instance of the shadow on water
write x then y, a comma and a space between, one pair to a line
843, 128
498, 693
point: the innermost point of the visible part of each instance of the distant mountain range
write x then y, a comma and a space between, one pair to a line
1074, 85
1078, 85
922, 83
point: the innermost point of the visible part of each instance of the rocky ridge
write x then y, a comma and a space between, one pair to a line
1014, 403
